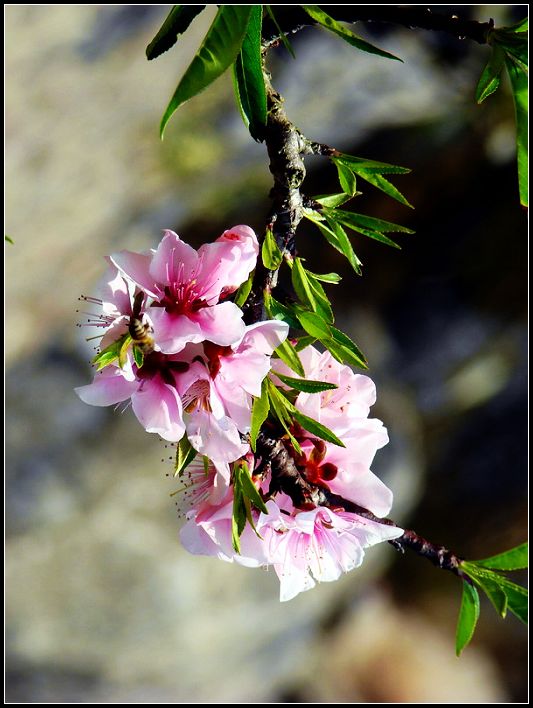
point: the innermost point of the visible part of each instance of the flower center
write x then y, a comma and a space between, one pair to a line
157, 363
197, 396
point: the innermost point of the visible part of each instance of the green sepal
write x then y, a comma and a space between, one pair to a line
185, 454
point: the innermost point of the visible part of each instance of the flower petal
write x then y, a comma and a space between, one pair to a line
173, 332
158, 408
217, 439
109, 387
221, 324
136, 266
358, 484
174, 261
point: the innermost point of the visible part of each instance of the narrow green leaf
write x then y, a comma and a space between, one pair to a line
519, 86
9, 239
250, 491
238, 518
288, 354
176, 22
278, 311
185, 454
516, 594
241, 295
283, 410
123, 352
377, 236
315, 428
306, 385
218, 51
332, 200
270, 252
110, 353
352, 219
347, 179
301, 284
345, 341
342, 348
323, 305
380, 168
490, 77
314, 324
338, 238
326, 277
138, 356
332, 25
282, 35
249, 76
260, 409
468, 617
521, 26
513, 559
384, 185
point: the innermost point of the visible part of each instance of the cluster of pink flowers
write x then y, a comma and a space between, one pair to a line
305, 545
200, 369
202, 364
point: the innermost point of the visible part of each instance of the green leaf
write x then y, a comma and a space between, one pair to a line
326, 277
249, 77
282, 35
315, 428
177, 21
241, 295
346, 177
123, 351
516, 594
218, 51
270, 252
332, 200
282, 409
185, 454
332, 25
521, 26
323, 305
138, 356
385, 186
306, 385
468, 617
336, 236
490, 77
9, 239
278, 311
513, 559
260, 409
110, 353
301, 284
359, 164
344, 349
238, 517
314, 325
288, 354
356, 221
519, 86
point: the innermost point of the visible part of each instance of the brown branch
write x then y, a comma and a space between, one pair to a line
288, 479
293, 18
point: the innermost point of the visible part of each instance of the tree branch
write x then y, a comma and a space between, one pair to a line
293, 18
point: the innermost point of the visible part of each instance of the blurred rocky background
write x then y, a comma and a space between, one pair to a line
103, 605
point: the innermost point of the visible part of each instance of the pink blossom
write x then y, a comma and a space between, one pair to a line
317, 545
186, 286
152, 389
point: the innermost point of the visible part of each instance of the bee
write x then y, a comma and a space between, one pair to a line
138, 331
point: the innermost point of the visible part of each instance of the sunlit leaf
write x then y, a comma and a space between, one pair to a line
347, 179
218, 51
519, 85
306, 385
185, 454
241, 295
468, 617
384, 185
326, 277
249, 77
315, 428
322, 303
176, 22
354, 220
301, 284
332, 25
260, 409
288, 354
270, 252
314, 325
332, 200
304, 342
490, 77
380, 168
138, 356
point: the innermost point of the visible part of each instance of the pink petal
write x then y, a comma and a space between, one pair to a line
109, 387
136, 266
197, 541
237, 403
116, 297
264, 337
246, 370
174, 261
358, 484
217, 439
158, 408
173, 332
221, 324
